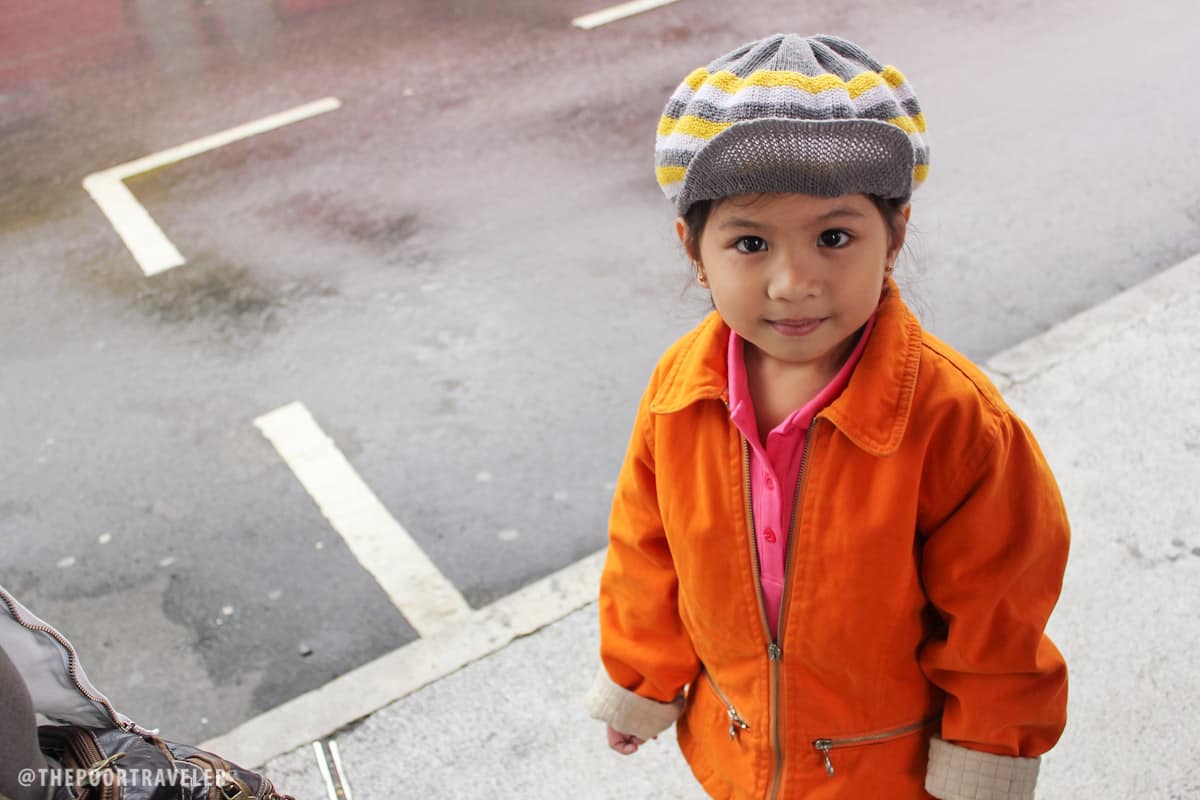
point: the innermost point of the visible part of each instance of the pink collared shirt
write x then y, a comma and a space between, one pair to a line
775, 468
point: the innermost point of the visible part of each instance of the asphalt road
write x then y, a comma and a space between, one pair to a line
465, 273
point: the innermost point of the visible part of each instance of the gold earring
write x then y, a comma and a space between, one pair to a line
701, 278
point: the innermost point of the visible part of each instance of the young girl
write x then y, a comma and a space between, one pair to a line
833, 548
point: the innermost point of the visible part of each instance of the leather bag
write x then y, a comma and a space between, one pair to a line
105, 755
112, 764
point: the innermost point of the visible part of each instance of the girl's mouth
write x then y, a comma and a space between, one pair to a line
795, 327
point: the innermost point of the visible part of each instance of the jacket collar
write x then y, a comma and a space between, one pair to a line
872, 411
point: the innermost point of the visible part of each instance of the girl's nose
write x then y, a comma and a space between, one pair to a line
792, 279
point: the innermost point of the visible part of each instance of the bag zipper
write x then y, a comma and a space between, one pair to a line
77, 749
127, 725
736, 723
221, 780
823, 746
224, 779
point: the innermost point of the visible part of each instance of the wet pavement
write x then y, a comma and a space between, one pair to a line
465, 273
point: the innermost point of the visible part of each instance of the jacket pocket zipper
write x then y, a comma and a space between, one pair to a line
736, 723
823, 746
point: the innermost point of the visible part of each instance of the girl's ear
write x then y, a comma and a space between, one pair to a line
681, 230
899, 231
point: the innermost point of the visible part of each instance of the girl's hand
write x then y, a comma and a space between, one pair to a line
623, 743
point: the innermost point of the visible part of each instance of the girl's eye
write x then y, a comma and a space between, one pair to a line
833, 238
750, 244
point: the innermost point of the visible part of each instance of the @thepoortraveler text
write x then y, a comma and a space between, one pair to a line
111, 777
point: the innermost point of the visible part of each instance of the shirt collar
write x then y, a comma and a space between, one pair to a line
873, 410
741, 404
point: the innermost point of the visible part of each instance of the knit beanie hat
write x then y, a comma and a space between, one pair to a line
814, 115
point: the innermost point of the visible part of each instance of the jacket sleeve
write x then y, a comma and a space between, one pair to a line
647, 656
992, 565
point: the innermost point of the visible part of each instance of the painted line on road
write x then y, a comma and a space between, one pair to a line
381, 544
607, 15
150, 247
368, 688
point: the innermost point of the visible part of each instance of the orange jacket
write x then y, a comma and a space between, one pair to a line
928, 547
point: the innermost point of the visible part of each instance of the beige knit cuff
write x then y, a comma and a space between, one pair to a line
959, 773
628, 712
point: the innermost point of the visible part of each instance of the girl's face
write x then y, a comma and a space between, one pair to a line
796, 275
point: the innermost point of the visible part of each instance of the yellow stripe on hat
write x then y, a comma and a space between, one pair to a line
667, 175
913, 124
696, 77
893, 76
691, 125
920, 172
729, 83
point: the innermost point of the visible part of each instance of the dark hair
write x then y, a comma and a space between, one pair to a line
697, 215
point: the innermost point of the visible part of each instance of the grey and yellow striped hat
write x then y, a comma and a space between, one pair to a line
814, 115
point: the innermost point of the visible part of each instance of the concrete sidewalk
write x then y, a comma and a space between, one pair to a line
1113, 396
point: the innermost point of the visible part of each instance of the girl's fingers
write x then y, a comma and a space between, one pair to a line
624, 744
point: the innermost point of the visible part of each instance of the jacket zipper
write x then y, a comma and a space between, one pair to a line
774, 650
72, 666
736, 723
823, 746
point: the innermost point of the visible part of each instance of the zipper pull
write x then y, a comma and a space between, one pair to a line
95, 773
774, 651
824, 746
736, 723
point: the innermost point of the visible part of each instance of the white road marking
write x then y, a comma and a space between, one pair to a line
380, 543
133, 223
607, 15
372, 686
343, 778
323, 765
141, 234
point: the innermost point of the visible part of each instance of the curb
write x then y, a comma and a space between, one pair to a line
1061, 342
366, 689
